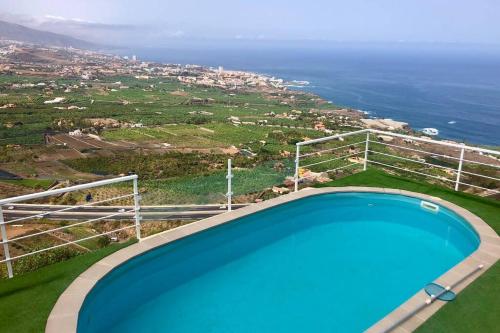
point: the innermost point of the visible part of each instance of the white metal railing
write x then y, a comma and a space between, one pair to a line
122, 212
370, 149
229, 178
18, 211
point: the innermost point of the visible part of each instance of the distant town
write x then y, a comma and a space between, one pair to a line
24, 59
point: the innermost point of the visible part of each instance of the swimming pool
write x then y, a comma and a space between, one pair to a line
330, 262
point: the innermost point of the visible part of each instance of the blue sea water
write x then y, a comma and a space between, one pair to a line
328, 263
454, 89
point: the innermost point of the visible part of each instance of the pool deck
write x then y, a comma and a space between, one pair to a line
64, 315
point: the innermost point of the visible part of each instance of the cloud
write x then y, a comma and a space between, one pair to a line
62, 24
60, 18
251, 37
99, 32
178, 33
18, 19
78, 23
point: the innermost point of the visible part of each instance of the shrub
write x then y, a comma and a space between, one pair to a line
35, 261
103, 241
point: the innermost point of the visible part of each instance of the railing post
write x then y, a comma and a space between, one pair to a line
459, 171
229, 193
366, 150
5, 240
137, 210
297, 160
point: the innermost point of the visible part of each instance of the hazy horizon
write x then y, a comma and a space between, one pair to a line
155, 23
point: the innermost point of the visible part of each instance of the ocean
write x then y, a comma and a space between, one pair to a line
455, 89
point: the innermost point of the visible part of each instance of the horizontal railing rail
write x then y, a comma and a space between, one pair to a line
333, 149
63, 190
332, 137
62, 210
431, 141
66, 244
122, 213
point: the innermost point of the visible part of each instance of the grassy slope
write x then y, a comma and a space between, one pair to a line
26, 300
476, 308
211, 188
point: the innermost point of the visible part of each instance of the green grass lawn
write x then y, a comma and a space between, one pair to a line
26, 300
476, 308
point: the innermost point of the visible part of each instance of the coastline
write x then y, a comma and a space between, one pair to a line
297, 86
427, 89
430, 132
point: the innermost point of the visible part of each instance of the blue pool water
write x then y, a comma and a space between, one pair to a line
326, 263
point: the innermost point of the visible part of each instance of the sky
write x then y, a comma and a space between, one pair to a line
159, 22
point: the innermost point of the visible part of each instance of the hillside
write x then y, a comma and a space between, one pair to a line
12, 31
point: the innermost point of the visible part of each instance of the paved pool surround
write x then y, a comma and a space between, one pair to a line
64, 315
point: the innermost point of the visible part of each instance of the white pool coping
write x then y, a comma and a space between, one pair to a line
64, 315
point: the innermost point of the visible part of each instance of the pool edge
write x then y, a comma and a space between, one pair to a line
64, 315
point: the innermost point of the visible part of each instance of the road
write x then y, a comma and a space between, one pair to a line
156, 213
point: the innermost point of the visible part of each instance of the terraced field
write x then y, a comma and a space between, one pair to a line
151, 102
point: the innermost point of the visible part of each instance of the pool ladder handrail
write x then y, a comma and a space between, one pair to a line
431, 299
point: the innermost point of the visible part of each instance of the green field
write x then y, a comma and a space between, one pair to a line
37, 184
214, 135
211, 188
154, 102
